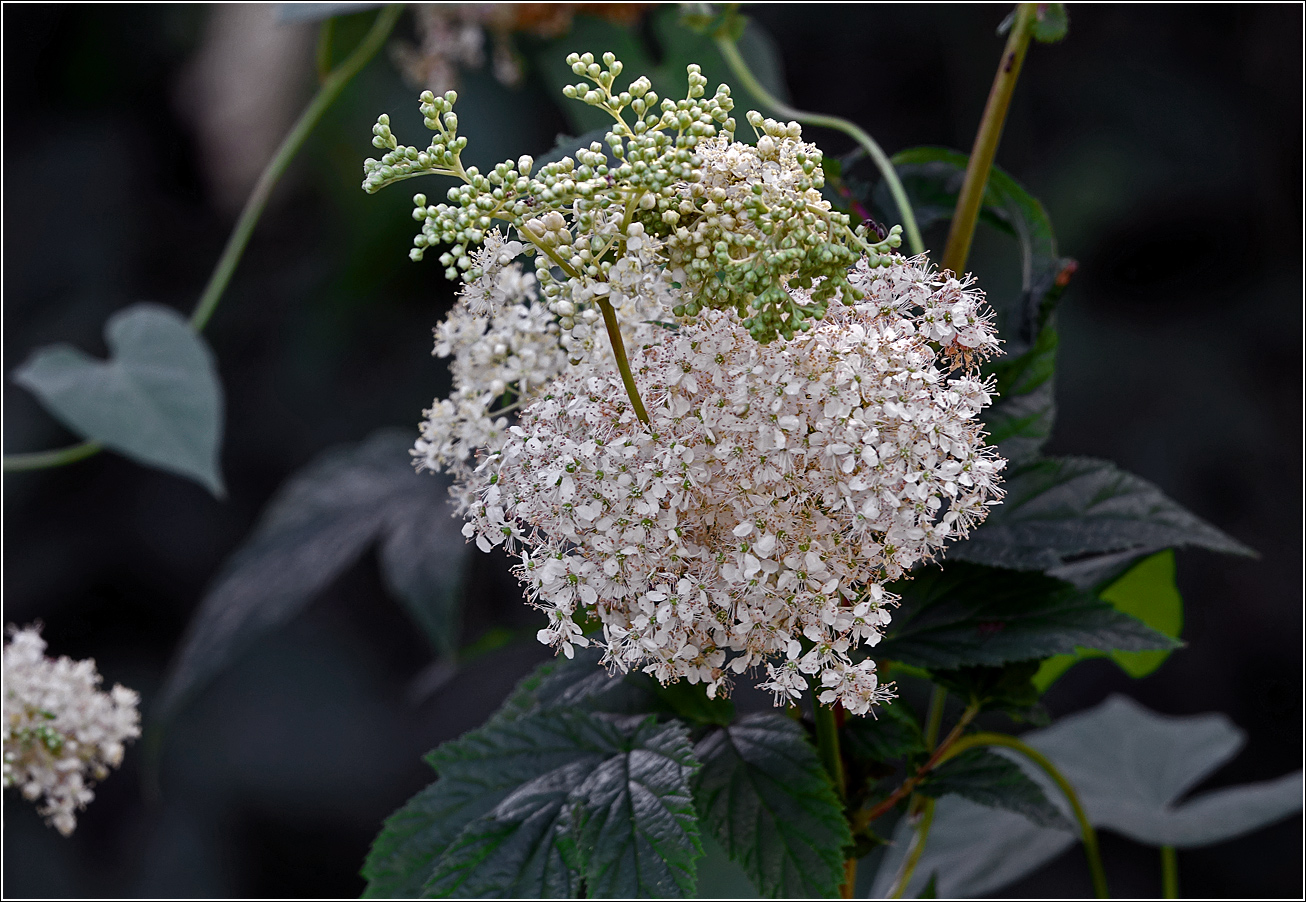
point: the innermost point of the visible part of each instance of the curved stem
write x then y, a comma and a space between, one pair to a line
1089, 835
332, 85
40, 460
1169, 873
934, 721
917, 849
986, 141
732, 56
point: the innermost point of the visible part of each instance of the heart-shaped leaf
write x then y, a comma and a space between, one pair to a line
157, 399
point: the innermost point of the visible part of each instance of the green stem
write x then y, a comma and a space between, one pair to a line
619, 351
332, 85
1089, 835
1169, 873
917, 849
934, 721
986, 141
258, 198
732, 56
40, 460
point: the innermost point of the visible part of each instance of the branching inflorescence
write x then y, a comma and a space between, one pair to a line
795, 424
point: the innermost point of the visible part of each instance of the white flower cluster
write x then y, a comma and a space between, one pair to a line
507, 343
60, 733
777, 487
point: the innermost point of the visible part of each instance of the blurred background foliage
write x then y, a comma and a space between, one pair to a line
1165, 143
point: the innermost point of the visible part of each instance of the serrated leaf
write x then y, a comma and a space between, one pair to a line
638, 833
1147, 591
996, 782
528, 839
156, 400
1130, 768
964, 615
891, 733
1063, 507
764, 795
314, 528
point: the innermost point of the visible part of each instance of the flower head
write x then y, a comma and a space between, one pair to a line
60, 733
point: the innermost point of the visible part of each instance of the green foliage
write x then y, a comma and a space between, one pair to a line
312, 530
764, 795
156, 400
1051, 23
1064, 507
891, 734
1147, 591
1008, 688
963, 615
994, 781
534, 805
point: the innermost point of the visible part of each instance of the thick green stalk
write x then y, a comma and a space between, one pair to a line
1089, 835
986, 141
1169, 873
332, 85
732, 56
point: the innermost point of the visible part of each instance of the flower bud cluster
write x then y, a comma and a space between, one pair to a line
775, 491
739, 224
60, 733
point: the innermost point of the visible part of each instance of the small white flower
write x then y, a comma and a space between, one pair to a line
60, 733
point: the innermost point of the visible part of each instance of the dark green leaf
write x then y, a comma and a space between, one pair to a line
890, 734
637, 831
931, 890
1050, 22
1020, 420
1149, 592
570, 770
965, 615
1008, 688
1064, 507
157, 399
764, 795
314, 528
994, 781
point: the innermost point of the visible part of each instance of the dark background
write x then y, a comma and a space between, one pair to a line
1165, 143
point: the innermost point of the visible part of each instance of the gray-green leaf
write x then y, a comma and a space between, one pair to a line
1063, 507
764, 795
157, 399
1130, 768
315, 527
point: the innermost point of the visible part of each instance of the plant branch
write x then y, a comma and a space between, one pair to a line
939, 755
914, 853
332, 85
730, 51
1089, 835
986, 141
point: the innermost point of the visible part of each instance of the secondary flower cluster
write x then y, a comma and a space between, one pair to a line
60, 732
776, 488
750, 515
